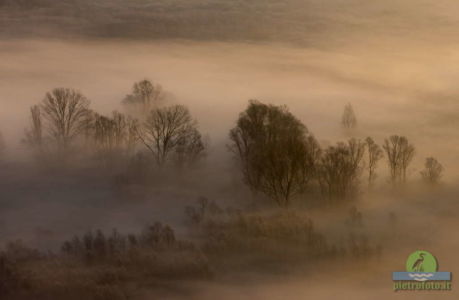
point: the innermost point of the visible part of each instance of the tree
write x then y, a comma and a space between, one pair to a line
64, 111
34, 135
432, 171
114, 136
89, 124
399, 154
170, 131
190, 148
339, 169
145, 96
277, 154
104, 138
348, 119
374, 155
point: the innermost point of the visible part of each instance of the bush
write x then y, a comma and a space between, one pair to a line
11, 281
274, 238
100, 266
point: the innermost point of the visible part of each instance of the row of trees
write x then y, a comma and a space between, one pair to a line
278, 155
64, 119
398, 150
282, 159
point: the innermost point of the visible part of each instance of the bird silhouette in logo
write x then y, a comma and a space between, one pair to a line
417, 266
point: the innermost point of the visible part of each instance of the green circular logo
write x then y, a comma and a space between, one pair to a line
421, 261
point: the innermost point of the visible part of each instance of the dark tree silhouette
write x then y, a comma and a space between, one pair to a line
339, 169
64, 111
190, 148
374, 155
145, 96
171, 132
399, 154
114, 136
34, 135
348, 119
433, 170
278, 156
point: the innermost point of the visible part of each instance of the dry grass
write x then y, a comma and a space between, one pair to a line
116, 266
98, 266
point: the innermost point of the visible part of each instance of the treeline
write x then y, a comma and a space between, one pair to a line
283, 236
63, 125
276, 153
280, 158
100, 265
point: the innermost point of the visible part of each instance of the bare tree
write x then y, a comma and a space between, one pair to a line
34, 134
132, 135
432, 170
339, 169
145, 96
114, 136
399, 154
406, 157
168, 130
374, 155
64, 111
278, 156
104, 137
312, 155
88, 125
190, 149
348, 119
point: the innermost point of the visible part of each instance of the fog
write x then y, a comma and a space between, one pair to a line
405, 91
394, 61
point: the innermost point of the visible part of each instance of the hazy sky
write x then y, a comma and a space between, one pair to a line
396, 86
